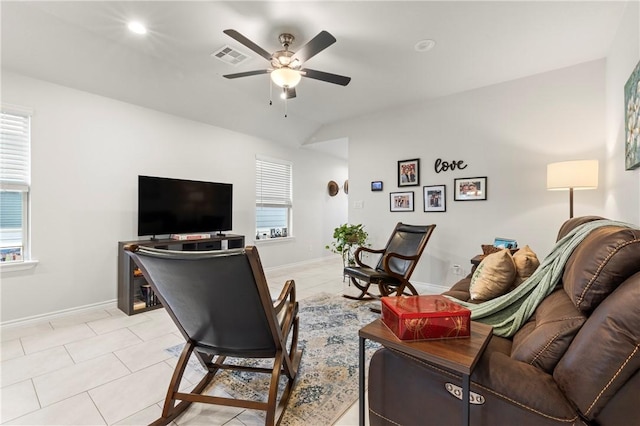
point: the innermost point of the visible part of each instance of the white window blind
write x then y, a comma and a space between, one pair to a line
14, 151
273, 183
15, 177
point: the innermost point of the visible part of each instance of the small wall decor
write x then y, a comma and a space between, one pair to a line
409, 172
470, 189
376, 185
435, 199
333, 188
401, 201
345, 188
632, 120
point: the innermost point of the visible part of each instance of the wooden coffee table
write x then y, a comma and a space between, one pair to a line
459, 355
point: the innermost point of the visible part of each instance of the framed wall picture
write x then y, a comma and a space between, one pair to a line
632, 120
435, 199
376, 185
401, 201
470, 189
409, 172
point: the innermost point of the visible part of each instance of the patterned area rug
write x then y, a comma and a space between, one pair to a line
327, 382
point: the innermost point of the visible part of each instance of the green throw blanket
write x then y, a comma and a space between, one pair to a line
507, 313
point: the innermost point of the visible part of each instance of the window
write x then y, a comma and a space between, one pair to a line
15, 176
273, 198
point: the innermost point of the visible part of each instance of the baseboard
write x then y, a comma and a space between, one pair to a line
427, 288
301, 263
57, 314
113, 303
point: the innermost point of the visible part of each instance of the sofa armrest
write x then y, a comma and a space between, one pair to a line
460, 290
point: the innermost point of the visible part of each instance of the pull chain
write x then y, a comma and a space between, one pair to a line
284, 93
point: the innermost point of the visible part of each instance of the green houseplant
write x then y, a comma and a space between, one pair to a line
346, 239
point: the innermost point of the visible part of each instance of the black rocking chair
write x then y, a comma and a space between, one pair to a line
397, 262
221, 303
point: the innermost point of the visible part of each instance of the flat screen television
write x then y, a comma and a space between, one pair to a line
178, 206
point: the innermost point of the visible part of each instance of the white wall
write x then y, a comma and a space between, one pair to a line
507, 132
623, 187
87, 151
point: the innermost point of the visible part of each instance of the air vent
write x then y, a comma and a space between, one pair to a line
231, 56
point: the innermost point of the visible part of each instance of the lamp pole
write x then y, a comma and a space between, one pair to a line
570, 203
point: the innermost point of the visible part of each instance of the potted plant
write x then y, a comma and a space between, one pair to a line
346, 239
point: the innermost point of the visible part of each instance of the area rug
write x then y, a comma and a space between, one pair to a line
327, 384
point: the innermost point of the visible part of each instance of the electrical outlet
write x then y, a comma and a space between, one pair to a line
457, 270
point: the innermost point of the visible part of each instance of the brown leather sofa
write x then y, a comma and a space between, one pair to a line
575, 362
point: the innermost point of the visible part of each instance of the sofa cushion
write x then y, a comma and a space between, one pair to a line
493, 276
543, 340
526, 263
603, 260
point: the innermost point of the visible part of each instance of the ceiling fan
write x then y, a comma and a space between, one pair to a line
286, 66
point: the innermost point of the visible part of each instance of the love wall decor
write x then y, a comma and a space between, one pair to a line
444, 166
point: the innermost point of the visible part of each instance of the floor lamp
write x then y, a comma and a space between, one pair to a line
572, 175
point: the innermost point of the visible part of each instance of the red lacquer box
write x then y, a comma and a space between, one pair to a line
425, 317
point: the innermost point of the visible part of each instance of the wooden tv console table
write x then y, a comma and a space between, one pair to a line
134, 293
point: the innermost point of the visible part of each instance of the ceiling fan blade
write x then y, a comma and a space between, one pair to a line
325, 76
315, 46
245, 74
248, 43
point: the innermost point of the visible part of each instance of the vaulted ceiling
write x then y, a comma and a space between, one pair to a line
86, 45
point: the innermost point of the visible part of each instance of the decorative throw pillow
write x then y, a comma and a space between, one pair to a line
526, 263
493, 276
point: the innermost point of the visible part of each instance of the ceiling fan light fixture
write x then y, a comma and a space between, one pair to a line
286, 77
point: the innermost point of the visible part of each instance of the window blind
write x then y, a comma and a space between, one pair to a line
273, 183
14, 151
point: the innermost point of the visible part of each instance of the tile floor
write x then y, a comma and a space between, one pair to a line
101, 366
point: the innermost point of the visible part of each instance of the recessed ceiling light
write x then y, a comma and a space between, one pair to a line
137, 27
424, 45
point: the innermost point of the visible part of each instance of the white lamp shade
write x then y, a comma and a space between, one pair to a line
286, 77
581, 174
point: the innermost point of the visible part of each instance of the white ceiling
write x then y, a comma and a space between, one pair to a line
86, 45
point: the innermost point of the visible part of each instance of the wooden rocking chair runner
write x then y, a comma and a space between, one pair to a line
395, 266
221, 303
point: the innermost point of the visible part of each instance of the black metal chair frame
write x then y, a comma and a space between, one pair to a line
388, 281
282, 323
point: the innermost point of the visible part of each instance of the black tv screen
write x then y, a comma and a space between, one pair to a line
177, 206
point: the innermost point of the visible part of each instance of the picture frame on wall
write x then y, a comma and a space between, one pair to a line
470, 189
401, 201
409, 172
632, 120
435, 199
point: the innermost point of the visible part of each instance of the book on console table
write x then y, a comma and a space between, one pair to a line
187, 237
425, 317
